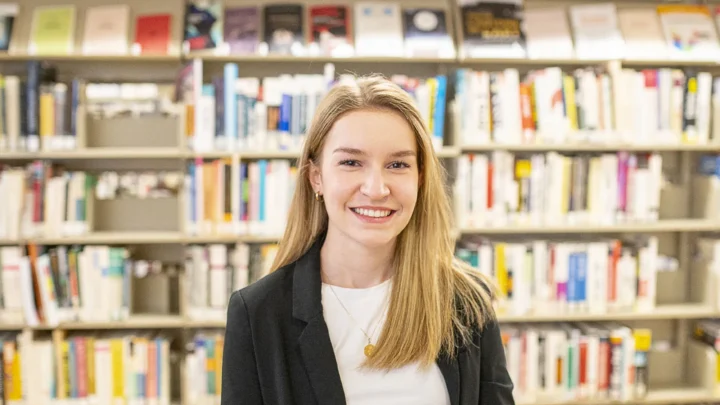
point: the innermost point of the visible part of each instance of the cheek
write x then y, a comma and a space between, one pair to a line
406, 193
339, 190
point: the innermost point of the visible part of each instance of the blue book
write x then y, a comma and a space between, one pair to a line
231, 108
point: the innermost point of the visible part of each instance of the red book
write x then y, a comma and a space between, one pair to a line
152, 33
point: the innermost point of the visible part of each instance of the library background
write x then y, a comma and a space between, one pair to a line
581, 141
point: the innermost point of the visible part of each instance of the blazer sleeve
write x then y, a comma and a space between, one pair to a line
240, 382
496, 385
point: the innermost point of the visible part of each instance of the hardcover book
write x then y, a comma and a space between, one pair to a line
152, 33
106, 29
53, 30
203, 24
426, 33
241, 29
330, 29
378, 29
493, 29
284, 28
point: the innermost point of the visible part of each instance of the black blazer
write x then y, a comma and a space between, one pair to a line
277, 348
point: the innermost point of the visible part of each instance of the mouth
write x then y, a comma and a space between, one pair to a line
373, 215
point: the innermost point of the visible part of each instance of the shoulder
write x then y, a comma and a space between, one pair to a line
265, 293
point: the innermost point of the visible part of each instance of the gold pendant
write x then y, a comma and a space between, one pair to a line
369, 349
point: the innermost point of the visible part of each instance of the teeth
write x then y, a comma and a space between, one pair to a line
372, 213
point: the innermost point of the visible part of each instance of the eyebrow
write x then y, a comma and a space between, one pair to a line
354, 151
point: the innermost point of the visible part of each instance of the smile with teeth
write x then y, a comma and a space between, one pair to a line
372, 213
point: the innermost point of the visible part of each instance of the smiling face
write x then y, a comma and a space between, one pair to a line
368, 176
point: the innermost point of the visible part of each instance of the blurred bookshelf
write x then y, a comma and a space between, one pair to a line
584, 171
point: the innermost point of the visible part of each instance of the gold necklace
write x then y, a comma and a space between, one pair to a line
369, 347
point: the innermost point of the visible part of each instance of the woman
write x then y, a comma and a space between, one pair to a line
366, 303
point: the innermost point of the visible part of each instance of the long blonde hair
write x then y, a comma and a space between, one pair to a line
437, 301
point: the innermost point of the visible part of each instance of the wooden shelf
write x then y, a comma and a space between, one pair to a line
130, 238
134, 322
590, 147
667, 225
209, 57
661, 396
8, 57
679, 311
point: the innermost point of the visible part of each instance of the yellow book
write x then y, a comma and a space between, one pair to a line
13, 374
432, 86
566, 183
65, 354
501, 270
219, 345
47, 116
118, 375
90, 355
569, 90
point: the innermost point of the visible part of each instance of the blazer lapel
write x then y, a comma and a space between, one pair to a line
450, 369
314, 341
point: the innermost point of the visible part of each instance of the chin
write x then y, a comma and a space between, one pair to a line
372, 239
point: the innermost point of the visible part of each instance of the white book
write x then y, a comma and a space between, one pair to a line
547, 34
596, 31
378, 29
106, 30
643, 35
690, 32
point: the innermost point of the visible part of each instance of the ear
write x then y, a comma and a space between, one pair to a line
315, 177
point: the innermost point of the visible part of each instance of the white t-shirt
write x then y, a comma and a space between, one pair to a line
408, 385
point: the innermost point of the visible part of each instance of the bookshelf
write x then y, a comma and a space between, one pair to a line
164, 304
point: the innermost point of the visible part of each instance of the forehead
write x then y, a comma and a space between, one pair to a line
372, 130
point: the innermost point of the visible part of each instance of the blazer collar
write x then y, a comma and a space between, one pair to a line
314, 341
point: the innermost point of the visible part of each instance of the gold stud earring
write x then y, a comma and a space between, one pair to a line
318, 197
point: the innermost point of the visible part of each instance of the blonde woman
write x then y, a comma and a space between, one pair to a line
366, 304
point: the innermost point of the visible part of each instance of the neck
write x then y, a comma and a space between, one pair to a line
346, 263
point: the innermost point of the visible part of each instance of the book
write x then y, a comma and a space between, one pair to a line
330, 31
641, 31
378, 29
203, 24
426, 33
596, 32
242, 29
689, 31
152, 34
284, 28
492, 29
548, 33
53, 30
106, 30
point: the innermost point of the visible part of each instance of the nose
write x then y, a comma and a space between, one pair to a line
374, 185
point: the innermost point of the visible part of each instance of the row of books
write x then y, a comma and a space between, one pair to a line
86, 368
590, 105
569, 362
237, 197
56, 284
489, 28
500, 188
568, 277
234, 113
26, 210
271, 113
214, 271
38, 111
99, 283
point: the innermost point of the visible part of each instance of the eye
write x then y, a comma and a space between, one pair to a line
349, 162
399, 165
